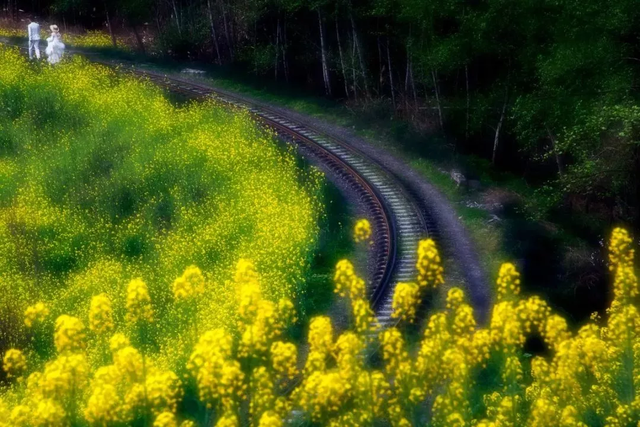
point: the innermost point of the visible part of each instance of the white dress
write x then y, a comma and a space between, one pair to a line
55, 48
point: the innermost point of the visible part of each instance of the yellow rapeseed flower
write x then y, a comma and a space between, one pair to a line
48, 413
101, 314
508, 282
347, 283
321, 334
227, 420
429, 265
129, 362
14, 363
69, 334
35, 313
104, 406
64, 376
189, 285
270, 419
138, 302
164, 391
165, 419
20, 416
118, 341
621, 250
406, 299
284, 359
362, 230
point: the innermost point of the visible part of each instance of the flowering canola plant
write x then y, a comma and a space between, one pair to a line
152, 332
256, 376
109, 192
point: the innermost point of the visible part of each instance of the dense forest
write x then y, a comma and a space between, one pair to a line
546, 88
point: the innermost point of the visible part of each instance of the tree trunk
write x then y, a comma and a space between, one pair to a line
158, 20
138, 38
413, 85
381, 67
255, 39
277, 48
497, 135
353, 69
325, 68
344, 73
177, 17
226, 29
406, 74
359, 51
393, 94
406, 82
284, 51
214, 38
554, 147
113, 36
466, 79
437, 91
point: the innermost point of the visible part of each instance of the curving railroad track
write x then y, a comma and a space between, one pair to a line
398, 212
398, 222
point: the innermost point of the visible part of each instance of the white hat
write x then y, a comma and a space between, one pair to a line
54, 28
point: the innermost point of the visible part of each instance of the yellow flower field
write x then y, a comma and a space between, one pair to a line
458, 374
108, 194
151, 261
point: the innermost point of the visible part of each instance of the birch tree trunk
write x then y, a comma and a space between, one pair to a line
344, 73
359, 51
413, 84
113, 36
406, 75
466, 78
353, 69
138, 38
554, 147
406, 83
284, 50
214, 37
177, 17
381, 67
393, 94
277, 48
226, 29
157, 18
325, 68
434, 76
496, 139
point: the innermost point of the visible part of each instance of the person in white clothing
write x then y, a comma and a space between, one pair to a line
55, 48
34, 38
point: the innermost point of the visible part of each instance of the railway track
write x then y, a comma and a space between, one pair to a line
398, 222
